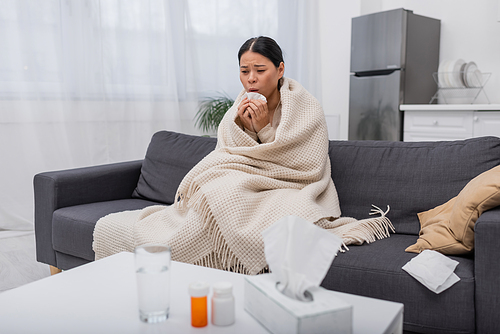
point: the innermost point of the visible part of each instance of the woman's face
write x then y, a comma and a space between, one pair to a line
258, 74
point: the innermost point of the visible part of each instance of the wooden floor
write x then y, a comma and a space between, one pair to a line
18, 265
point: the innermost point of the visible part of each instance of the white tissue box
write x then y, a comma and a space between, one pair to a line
282, 314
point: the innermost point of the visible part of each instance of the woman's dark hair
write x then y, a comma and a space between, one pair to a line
265, 46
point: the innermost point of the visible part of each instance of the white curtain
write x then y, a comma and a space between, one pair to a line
87, 82
219, 27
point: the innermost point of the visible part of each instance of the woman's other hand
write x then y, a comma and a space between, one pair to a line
259, 114
245, 117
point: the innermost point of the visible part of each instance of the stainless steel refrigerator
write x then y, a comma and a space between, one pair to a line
393, 56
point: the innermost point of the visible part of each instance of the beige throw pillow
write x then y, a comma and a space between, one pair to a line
449, 228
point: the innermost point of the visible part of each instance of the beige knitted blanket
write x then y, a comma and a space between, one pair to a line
240, 189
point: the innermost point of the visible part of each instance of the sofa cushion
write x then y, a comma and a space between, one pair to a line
170, 156
374, 270
73, 227
449, 228
410, 177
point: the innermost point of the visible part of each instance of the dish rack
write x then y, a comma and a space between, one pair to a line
453, 89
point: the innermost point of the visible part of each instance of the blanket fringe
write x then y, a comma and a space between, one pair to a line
212, 261
367, 230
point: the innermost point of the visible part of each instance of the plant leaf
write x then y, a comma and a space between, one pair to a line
210, 112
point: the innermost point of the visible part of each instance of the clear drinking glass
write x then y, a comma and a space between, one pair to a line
152, 264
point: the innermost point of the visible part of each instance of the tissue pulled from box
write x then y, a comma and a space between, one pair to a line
299, 255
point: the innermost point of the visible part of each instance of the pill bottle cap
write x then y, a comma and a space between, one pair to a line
223, 288
198, 289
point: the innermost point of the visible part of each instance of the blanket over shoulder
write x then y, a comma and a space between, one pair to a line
241, 188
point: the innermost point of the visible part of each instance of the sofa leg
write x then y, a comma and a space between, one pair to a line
54, 270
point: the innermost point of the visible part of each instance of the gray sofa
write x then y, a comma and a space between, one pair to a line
410, 177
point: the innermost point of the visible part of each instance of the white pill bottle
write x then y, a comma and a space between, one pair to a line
222, 304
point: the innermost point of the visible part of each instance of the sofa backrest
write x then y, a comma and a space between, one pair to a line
410, 177
170, 156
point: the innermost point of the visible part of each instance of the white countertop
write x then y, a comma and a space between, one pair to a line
444, 107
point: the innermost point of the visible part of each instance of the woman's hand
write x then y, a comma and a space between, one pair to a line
245, 117
259, 114
254, 114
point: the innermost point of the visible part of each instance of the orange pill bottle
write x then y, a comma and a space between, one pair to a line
199, 313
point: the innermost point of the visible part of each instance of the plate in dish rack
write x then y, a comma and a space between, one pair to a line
462, 74
454, 73
466, 70
443, 82
449, 73
473, 76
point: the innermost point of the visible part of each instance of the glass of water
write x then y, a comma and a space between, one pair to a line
152, 265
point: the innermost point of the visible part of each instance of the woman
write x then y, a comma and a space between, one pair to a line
261, 71
271, 161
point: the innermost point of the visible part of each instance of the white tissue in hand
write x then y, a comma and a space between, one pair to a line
255, 96
433, 269
299, 254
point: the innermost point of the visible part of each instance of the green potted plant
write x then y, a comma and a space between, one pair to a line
211, 111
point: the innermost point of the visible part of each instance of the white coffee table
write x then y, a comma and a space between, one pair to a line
100, 297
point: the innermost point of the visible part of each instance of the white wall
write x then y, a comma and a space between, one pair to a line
335, 38
470, 30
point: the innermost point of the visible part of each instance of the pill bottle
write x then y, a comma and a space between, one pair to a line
222, 304
198, 292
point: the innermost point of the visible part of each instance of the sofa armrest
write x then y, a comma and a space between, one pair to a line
487, 271
59, 189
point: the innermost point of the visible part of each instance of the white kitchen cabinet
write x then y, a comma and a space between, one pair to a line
450, 122
487, 123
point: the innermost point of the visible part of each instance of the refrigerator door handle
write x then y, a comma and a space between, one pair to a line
376, 72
